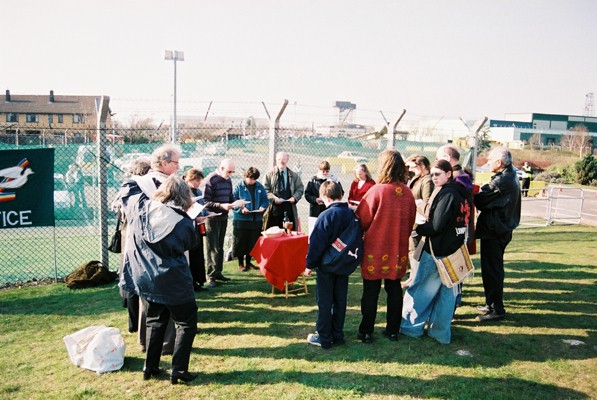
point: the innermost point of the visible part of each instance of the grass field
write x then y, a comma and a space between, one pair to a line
253, 346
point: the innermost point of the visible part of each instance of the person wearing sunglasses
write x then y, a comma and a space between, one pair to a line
218, 197
427, 301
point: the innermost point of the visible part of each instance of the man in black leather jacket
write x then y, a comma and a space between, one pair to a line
499, 203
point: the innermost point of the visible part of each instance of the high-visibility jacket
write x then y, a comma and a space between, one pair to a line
527, 172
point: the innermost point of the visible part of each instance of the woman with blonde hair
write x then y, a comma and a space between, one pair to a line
156, 269
387, 214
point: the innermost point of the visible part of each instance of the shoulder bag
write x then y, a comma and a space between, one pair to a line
115, 245
453, 269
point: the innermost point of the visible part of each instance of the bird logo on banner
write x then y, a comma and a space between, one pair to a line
13, 178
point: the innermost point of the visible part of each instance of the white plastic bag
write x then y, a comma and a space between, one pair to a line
96, 348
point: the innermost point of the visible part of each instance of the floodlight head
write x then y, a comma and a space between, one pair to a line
179, 55
168, 55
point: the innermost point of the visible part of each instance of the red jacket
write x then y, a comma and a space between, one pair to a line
387, 214
357, 194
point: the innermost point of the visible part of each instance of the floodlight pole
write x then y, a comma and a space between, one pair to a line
174, 55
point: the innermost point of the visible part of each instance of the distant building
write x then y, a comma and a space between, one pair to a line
26, 118
350, 130
547, 129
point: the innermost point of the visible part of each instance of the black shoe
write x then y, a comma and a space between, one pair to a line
222, 278
491, 316
252, 266
339, 342
167, 352
185, 376
392, 336
147, 374
365, 337
484, 309
197, 287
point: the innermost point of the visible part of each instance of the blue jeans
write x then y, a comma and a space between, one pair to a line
429, 302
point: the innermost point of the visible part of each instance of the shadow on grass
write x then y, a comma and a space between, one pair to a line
359, 384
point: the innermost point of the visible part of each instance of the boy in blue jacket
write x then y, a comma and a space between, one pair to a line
332, 283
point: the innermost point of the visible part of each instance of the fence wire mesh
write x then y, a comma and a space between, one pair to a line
42, 253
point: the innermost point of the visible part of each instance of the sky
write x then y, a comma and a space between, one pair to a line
436, 59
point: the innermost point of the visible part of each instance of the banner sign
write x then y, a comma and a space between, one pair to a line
26, 188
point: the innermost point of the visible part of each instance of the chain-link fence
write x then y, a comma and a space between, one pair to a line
53, 252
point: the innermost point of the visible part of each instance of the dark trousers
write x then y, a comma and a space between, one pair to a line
197, 262
277, 218
132, 305
185, 319
526, 184
371, 289
216, 233
331, 294
170, 336
492, 271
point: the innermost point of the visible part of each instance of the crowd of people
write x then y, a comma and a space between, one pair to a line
413, 212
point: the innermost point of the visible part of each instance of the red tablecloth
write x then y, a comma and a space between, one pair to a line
281, 259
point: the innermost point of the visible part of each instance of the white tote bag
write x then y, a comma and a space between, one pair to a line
96, 348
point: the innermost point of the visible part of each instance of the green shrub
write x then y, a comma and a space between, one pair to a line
586, 170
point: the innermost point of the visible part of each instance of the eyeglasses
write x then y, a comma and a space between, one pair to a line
174, 162
230, 172
436, 174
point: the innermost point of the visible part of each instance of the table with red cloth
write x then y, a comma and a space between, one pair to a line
283, 259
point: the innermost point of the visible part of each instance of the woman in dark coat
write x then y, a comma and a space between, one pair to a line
156, 268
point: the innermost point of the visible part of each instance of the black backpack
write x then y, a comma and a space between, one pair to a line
346, 252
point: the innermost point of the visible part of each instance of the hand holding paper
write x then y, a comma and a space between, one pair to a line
195, 210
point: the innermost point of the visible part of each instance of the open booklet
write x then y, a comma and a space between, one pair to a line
240, 203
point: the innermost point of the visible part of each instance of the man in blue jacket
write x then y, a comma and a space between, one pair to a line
499, 203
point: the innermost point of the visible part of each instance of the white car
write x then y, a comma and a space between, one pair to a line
356, 157
216, 149
62, 198
124, 163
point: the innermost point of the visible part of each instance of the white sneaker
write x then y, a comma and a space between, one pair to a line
313, 338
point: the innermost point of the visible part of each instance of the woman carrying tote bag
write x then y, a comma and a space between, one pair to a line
427, 300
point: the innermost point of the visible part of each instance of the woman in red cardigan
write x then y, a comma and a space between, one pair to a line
360, 185
387, 214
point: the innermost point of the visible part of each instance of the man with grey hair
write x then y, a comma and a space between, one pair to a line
499, 203
284, 189
218, 198
164, 161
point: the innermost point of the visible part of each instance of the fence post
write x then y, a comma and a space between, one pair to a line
392, 136
274, 127
102, 111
